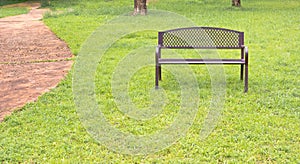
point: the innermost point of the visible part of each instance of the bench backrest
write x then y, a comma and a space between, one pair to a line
201, 37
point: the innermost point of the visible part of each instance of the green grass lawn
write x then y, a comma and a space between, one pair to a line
4, 12
7, 2
11, 11
262, 126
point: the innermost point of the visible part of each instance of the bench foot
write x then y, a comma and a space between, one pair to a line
246, 85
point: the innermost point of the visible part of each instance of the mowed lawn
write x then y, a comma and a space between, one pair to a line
10, 11
262, 126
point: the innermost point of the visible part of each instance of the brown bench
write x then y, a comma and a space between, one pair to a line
202, 38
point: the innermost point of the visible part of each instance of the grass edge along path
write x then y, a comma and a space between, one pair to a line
26, 73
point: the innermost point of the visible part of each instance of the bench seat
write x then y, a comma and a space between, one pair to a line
201, 61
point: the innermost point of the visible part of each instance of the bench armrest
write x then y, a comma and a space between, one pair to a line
246, 54
157, 53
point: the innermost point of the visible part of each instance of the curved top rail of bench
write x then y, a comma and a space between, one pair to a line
201, 37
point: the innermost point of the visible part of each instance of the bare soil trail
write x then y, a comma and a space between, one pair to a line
32, 59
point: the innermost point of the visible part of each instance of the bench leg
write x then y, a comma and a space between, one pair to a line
246, 78
157, 75
242, 71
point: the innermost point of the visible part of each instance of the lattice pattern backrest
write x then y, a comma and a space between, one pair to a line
201, 37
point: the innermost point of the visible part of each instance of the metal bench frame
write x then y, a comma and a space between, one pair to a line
202, 38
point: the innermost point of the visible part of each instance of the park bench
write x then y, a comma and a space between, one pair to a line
202, 38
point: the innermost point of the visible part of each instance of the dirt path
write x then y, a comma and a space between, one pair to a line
32, 59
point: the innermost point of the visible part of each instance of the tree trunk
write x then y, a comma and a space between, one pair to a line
236, 3
140, 7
